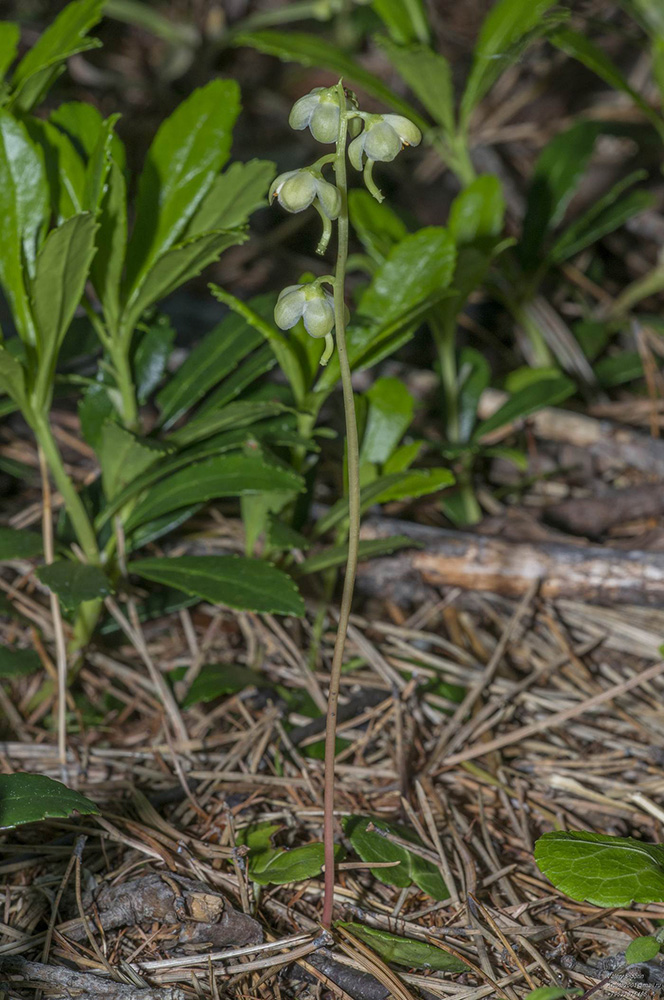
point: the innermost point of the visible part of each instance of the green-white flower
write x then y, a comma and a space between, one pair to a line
319, 111
298, 189
308, 303
382, 138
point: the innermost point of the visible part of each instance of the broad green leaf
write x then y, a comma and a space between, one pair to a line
18, 662
256, 510
258, 836
474, 376
546, 392
370, 548
10, 35
61, 271
604, 870
151, 356
374, 846
23, 544
406, 951
24, 205
12, 376
311, 50
161, 526
210, 361
406, 20
429, 76
178, 264
108, 262
420, 265
404, 456
642, 949
618, 369
552, 993
390, 414
233, 197
504, 32
74, 582
65, 169
232, 581
99, 165
94, 410
217, 679
28, 798
225, 476
477, 213
123, 457
377, 227
186, 155
246, 373
81, 122
279, 866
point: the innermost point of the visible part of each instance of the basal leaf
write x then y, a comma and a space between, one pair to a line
232, 581
642, 949
374, 845
233, 197
429, 76
217, 679
18, 662
23, 544
390, 414
123, 457
406, 951
279, 866
545, 392
28, 798
74, 582
604, 870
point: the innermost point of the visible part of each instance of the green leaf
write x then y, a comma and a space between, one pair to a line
23, 544
246, 373
604, 870
429, 76
477, 213
123, 457
370, 548
391, 408
233, 197
61, 271
552, 993
29, 798
311, 50
151, 356
258, 836
94, 410
411, 484
74, 582
108, 262
12, 377
503, 35
177, 265
410, 952
406, 20
279, 866
65, 169
618, 369
217, 679
82, 124
24, 206
10, 35
65, 37
186, 155
642, 949
99, 165
474, 376
545, 392
232, 581
225, 476
418, 266
210, 361
374, 846
18, 662
242, 413
404, 456
377, 227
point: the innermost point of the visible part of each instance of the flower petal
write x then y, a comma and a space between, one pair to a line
324, 122
279, 182
298, 192
356, 150
319, 317
303, 109
329, 197
382, 142
290, 306
409, 133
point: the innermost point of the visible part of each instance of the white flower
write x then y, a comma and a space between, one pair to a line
318, 111
383, 137
309, 303
297, 189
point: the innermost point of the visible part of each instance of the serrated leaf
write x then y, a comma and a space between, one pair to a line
232, 581
99, 165
374, 846
642, 949
186, 155
123, 457
151, 356
390, 414
23, 544
369, 548
604, 870
217, 679
377, 227
225, 476
28, 798
429, 76
74, 582
241, 413
108, 262
18, 662
233, 197
279, 866
545, 392
406, 951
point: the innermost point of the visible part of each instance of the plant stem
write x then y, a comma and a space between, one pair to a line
352, 447
125, 382
444, 334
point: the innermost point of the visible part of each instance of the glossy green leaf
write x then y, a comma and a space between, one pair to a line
232, 581
10, 35
225, 476
18, 662
618, 369
217, 679
545, 392
477, 213
65, 37
99, 165
108, 262
19, 544
376, 225
406, 20
233, 197
552, 993
604, 870
61, 271
29, 798
82, 124
279, 866
372, 845
65, 169
24, 205
242, 413
123, 457
258, 836
642, 949
429, 76
151, 356
186, 155
420, 265
474, 376
390, 414
410, 952
246, 373
370, 548
504, 33
94, 410
74, 582
403, 457
177, 265
311, 50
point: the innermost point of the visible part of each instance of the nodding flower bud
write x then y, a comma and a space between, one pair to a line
298, 189
319, 111
309, 303
382, 138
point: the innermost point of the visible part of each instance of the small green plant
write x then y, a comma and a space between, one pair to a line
30, 798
